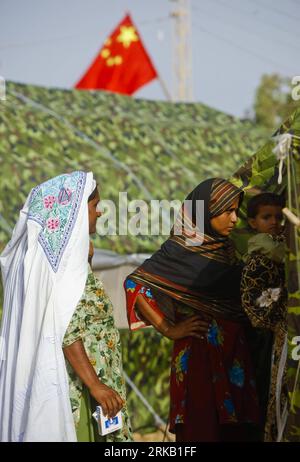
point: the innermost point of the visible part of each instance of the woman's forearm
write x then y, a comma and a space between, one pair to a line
109, 399
193, 326
77, 357
160, 324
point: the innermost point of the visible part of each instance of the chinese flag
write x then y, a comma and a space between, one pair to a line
122, 65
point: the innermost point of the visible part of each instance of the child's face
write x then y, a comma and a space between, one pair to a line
268, 220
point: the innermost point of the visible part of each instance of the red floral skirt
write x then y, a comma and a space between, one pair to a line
211, 382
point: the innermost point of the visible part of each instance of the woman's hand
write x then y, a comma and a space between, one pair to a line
110, 401
193, 326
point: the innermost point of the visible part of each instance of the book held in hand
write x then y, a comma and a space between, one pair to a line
106, 425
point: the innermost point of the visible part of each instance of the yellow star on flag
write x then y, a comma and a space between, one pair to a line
108, 42
127, 36
105, 53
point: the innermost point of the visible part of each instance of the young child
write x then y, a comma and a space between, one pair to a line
264, 299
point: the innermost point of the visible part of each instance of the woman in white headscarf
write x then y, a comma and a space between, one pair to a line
45, 276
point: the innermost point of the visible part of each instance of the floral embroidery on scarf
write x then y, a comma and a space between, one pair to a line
55, 205
64, 196
49, 201
53, 224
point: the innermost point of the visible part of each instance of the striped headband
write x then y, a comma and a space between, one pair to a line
222, 196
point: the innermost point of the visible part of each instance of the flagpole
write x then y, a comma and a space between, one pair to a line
164, 88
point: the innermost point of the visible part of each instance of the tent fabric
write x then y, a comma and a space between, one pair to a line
105, 259
111, 267
150, 149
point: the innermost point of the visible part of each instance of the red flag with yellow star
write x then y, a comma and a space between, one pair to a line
122, 65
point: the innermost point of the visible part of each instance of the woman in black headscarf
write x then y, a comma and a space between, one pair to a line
189, 291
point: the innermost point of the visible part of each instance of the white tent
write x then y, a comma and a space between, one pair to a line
113, 269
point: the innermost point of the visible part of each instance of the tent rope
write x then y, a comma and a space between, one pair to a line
159, 423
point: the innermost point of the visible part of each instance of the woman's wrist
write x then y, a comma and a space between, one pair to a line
93, 387
166, 329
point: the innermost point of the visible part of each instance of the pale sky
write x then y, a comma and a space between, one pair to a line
52, 42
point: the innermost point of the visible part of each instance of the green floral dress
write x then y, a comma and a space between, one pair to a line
93, 323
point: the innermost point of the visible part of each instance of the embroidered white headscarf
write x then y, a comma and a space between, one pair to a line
44, 270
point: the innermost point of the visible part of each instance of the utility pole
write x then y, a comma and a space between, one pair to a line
182, 51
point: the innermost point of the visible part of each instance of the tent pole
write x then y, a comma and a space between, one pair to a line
164, 88
291, 217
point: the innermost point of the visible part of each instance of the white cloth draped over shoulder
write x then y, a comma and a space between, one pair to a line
44, 270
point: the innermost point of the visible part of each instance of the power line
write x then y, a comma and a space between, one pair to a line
251, 52
276, 10
244, 12
155, 20
42, 41
243, 28
72, 36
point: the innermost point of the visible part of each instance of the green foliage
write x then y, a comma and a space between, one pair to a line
260, 173
146, 360
273, 101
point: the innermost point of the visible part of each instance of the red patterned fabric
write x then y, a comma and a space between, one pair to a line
211, 382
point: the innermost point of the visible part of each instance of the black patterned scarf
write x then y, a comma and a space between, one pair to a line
204, 277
